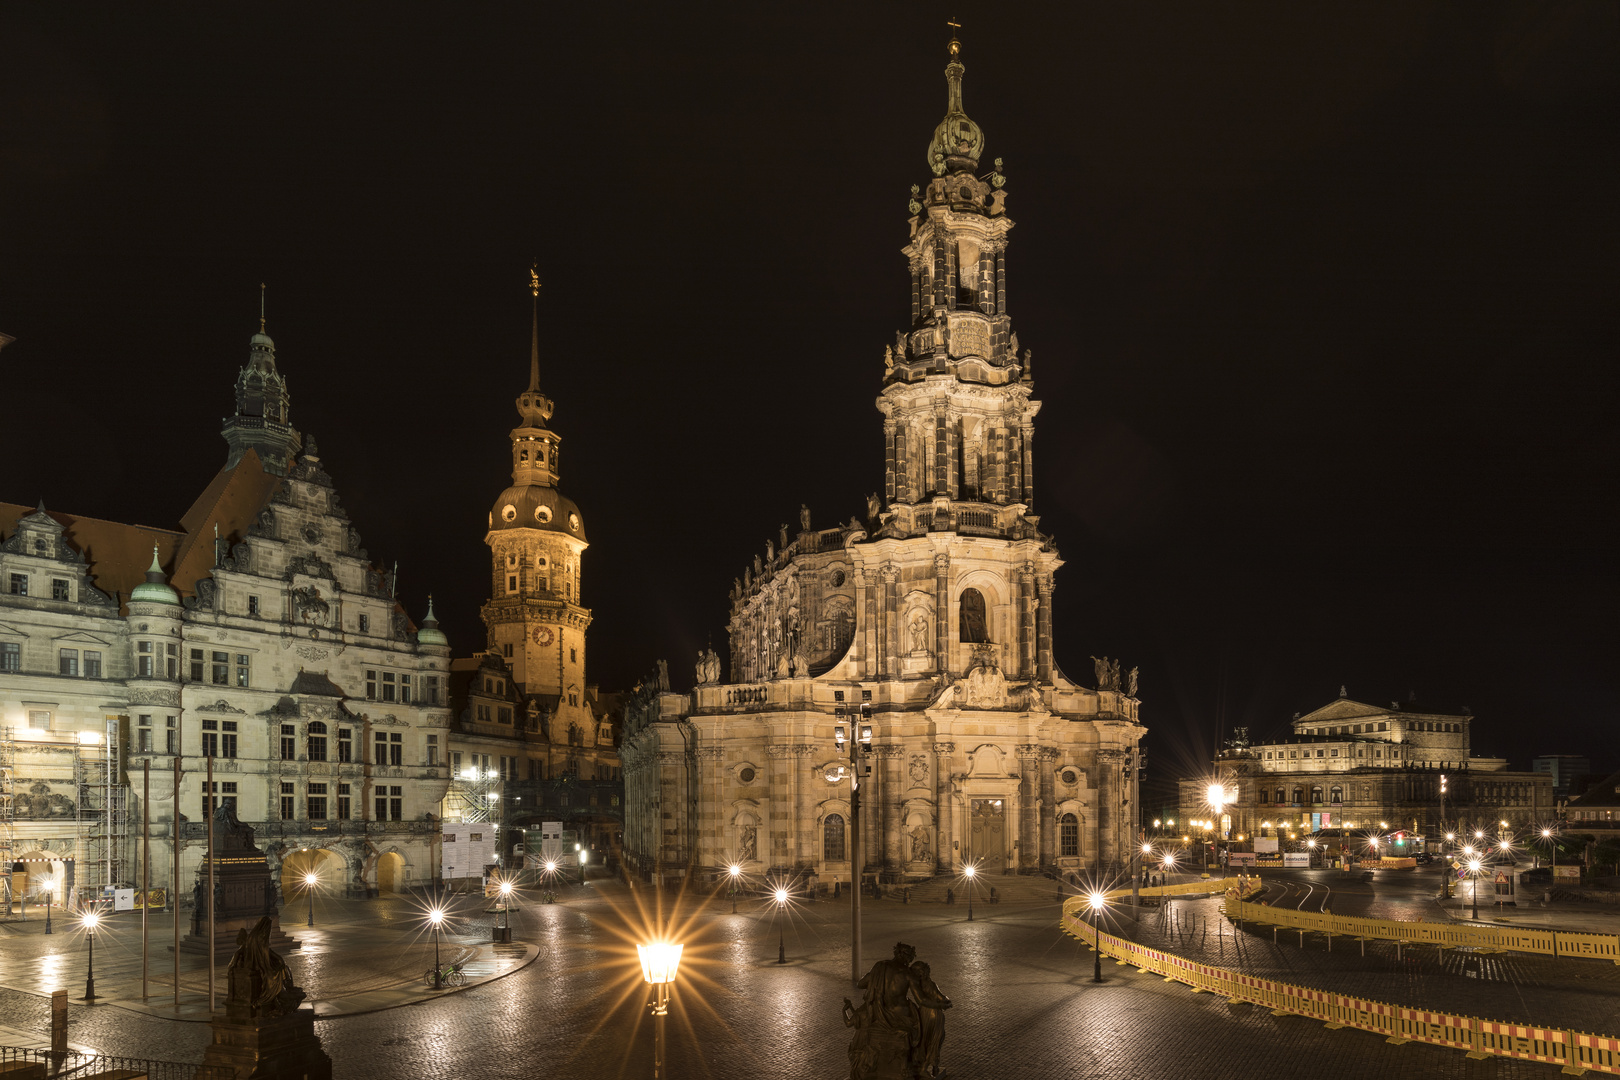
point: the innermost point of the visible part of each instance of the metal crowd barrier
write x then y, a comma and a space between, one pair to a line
1557, 943
1479, 1038
27, 1063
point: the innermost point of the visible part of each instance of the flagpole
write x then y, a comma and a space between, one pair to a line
174, 870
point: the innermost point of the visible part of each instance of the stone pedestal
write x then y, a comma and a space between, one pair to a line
269, 1047
243, 890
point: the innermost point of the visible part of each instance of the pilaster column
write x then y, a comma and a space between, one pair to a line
916, 294
940, 482
890, 478
950, 274
902, 466
779, 812
941, 277
809, 783
1043, 628
1001, 282
1026, 621
953, 456
1027, 438
944, 855
1108, 806
872, 632
889, 764
942, 612
1029, 755
893, 632
1048, 809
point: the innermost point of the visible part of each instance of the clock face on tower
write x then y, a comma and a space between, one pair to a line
542, 635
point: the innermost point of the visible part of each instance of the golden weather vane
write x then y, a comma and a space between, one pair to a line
534, 279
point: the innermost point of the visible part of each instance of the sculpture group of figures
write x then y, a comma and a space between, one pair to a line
257, 980
900, 1026
1108, 676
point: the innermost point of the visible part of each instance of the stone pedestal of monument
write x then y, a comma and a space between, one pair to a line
243, 890
265, 1033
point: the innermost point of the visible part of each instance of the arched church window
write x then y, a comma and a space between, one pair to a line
317, 741
1069, 835
832, 842
973, 626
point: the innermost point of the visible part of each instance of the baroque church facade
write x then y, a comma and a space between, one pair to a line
258, 637
934, 609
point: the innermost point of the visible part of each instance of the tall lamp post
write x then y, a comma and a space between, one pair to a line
968, 871
1217, 799
436, 918
659, 962
781, 931
735, 872
91, 919
859, 740
1473, 871
1096, 901
310, 881
49, 884
1546, 834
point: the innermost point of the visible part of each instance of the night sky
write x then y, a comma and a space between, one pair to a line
1322, 302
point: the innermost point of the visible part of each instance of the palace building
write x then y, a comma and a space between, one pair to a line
258, 636
1352, 766
934, 608
532, 740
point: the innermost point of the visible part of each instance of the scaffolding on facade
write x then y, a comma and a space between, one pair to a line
102, 812
475, 795
8, 811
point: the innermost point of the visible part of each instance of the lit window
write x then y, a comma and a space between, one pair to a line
60, 589
39, 719
244, 669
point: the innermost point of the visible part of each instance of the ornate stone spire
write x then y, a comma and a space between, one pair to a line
262, 421
957, 141
532, 405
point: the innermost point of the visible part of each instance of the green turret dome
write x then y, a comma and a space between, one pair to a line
155, 589
429, 632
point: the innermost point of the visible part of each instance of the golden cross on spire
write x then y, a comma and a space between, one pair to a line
956, 46
261, 307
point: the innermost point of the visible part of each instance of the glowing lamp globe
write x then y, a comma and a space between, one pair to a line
781, 896
659, 961
1096, 900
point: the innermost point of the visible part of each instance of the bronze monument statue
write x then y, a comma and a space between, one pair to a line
264, 1034
900, 1025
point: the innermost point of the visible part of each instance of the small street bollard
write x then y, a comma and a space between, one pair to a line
950, 896
59, 1022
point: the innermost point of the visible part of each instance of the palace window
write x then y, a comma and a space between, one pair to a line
1263, 796
39, 719
371, 686
1336, 795
345, 745
253, 605
432, 749
210, 738
572, 657
503, 714
388, 686
92, 663
67, 662
317, 802
343, 802
19, 584
227, 738
390, 802
170, 734
224, 794
396, 749
1299, 796
143, 734
1069, 836
430, 689
244, 669
832, 844
60, 589
317, 743
287, 800
10, 656
365, 624
405, 689
221, 669
1316, 796
172, 660
289, 742
197, 665
1281, 797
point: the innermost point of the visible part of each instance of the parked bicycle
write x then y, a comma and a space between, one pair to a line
450, 975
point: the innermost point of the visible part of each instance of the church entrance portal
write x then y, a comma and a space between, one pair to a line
987, 835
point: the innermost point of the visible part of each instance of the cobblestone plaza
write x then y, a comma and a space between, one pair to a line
1024, 1002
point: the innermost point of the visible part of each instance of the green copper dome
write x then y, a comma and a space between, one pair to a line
155, 589
429, 632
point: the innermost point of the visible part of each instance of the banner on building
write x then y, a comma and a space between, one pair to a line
1570, 873
1241, 858
1296, 858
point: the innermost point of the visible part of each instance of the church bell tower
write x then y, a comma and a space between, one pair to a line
534, 617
